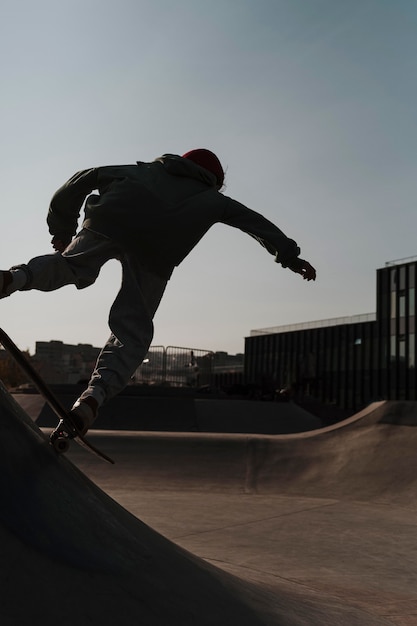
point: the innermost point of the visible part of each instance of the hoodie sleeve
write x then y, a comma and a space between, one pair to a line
264, 231
66, 203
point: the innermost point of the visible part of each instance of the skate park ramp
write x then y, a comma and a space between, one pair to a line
314, 528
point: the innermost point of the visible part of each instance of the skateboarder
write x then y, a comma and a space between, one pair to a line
149, 216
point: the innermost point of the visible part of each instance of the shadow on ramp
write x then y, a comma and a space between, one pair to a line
71, 554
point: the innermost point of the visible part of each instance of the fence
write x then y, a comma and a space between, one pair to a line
175, 367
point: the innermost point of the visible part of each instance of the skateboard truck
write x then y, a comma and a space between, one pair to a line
66, 431
60, 441
61, 435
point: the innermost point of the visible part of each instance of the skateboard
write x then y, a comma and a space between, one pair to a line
66, 430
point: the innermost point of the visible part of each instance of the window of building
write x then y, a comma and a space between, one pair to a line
402, 277
412, 351
393, 304
401, 304
393, 347
401, 347
393, 279
412, 276
411, 301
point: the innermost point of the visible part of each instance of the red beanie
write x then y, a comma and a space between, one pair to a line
208, 160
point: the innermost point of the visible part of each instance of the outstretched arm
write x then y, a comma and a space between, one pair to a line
270, 236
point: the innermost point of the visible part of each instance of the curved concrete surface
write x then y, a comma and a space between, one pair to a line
310, 529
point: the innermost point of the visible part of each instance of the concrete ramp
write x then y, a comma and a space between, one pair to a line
72, 555
370, 457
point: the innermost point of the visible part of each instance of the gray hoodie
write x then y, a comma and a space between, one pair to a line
158, 210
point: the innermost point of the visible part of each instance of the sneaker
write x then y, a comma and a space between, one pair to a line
6, 280
12, 280
84, 413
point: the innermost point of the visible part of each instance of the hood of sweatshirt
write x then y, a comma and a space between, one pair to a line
178, 166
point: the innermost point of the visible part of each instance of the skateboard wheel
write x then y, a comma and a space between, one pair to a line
61, 444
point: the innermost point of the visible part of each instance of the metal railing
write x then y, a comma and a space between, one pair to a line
175, 366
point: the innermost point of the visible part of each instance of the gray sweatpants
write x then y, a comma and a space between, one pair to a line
131, 314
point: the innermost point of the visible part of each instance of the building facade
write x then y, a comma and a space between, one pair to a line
60, 363
396, 306
350, 361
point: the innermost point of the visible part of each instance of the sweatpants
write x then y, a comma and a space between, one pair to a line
131, 314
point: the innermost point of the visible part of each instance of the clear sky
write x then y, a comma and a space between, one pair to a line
310, 105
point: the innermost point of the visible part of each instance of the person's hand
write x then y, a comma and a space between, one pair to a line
307, 271
58, 244
302, 267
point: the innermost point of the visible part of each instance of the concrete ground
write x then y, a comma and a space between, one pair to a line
329, 514
317, 528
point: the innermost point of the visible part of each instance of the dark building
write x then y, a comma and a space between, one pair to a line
60, 363
396, 305
347, 362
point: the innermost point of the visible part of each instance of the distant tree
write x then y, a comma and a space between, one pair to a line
10, 373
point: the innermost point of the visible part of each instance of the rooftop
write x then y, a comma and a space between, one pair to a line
409, 259
335, 321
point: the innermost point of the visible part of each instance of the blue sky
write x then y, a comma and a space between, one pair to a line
309, 104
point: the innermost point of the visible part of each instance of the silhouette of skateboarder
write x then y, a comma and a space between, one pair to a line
149, 216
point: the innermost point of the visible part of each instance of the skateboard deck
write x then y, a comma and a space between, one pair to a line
66, 430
